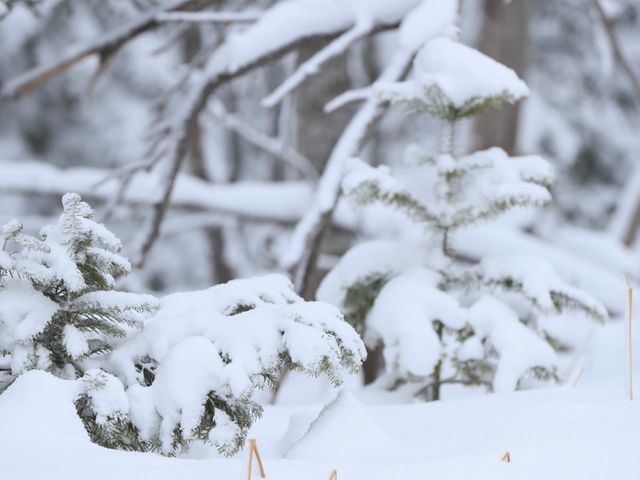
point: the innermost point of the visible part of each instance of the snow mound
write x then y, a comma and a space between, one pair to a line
37, 411
345, 431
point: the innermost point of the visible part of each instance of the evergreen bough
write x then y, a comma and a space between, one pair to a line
440, 318
155, 374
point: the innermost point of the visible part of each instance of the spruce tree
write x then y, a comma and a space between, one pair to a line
155, 374
69, 273
440, 318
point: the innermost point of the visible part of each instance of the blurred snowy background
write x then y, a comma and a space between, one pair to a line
208, 142
80, 133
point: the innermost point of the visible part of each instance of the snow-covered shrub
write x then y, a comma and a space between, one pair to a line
441, 318
156, 374
191, 373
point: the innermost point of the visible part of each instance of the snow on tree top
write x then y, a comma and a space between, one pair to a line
463, 73
452, 80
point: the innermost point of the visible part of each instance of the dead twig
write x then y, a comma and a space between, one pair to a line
106, 48
253, 452
630, 338
618, 53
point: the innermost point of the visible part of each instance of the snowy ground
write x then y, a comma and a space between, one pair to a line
586, 432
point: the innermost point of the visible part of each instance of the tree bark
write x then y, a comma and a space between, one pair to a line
504, 37
318, 132
373, 365
220, 271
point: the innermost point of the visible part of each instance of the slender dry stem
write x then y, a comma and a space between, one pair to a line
578, 377
630, 339
253, 451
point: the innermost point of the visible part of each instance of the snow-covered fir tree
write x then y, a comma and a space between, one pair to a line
440, 318
155, 374
57, 304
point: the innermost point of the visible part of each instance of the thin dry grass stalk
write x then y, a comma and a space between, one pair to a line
578, 377
253, 452
630, 339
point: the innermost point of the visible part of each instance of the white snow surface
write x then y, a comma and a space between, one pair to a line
583, 433
361, 438
463, 73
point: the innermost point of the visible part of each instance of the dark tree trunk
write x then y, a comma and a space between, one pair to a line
373, 365
220, 271
317, 134
505, 35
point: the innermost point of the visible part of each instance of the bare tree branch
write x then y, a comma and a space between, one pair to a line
234, 58
220, 72
362, 28
105, 48
209, 17
617, 48
270, 145
305, 244
625, 221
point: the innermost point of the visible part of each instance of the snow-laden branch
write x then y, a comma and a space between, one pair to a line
105, 47
422, 21
312, 66
274, 202
308, 231
258, 45
209, 17
601, 277
620, 56
627, 215
287, 203
350, 96
273, 146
